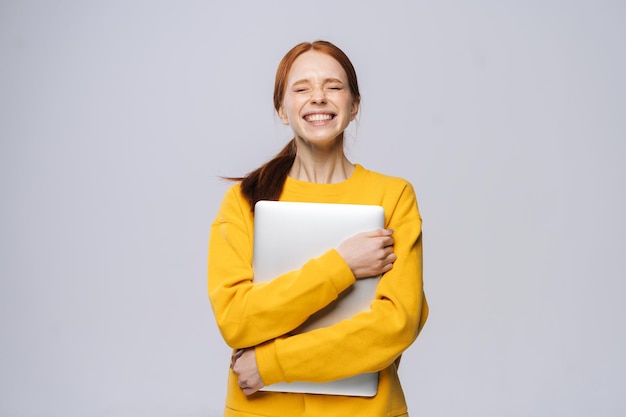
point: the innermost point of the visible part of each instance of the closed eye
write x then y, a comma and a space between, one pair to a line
334, 84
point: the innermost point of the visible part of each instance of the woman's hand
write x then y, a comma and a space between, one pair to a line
243, 363
370, 253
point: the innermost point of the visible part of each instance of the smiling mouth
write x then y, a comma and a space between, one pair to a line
319, 117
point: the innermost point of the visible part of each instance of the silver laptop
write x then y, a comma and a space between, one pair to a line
286, 236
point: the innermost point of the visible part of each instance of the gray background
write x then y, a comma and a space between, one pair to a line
118, 117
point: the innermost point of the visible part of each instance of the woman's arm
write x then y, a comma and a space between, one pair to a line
248, 314
372, 340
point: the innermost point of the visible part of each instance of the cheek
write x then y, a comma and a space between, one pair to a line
291, 109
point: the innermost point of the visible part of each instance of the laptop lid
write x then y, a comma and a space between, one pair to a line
286, 236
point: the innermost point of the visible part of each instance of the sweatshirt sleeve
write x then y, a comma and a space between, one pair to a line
249, 314
370, 341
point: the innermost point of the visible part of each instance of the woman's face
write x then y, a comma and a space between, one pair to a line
318, 103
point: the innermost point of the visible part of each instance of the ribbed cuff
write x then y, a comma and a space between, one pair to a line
267, 363
337, 269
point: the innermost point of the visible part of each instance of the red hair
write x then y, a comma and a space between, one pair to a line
267, 181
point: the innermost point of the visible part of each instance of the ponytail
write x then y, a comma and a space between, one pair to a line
267, 181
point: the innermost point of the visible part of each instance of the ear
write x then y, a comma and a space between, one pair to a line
283, 116
356, 104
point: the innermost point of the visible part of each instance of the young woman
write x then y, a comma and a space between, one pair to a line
316, 93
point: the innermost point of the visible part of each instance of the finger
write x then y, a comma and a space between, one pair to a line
237, 355
385, 252
249, 391
387, 245
388, 262
234, 358
378, 233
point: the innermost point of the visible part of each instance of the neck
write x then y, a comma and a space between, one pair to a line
323, 166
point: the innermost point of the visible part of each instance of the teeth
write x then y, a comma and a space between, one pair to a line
318, 117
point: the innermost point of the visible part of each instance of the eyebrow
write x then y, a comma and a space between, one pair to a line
326, 81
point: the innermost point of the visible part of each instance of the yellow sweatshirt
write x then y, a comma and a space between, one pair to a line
261, 315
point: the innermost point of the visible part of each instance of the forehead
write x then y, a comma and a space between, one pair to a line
313, 65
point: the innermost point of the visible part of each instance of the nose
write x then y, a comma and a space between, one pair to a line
318, 96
